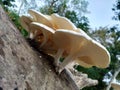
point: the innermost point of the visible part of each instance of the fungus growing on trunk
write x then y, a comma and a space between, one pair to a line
81, 49
38, 28
59, 34
25, 22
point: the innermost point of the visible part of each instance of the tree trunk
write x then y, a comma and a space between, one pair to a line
23, 68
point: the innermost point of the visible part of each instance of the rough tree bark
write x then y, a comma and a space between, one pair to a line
23, 68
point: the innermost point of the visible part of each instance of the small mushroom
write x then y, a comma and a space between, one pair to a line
116, 85
25, 22
80, 48
38, 29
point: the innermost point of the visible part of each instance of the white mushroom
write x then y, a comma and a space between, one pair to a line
68, 42
93, 54
74, 44
62, 22
25, 22
54, 21
41, 18
46, 32
81, 48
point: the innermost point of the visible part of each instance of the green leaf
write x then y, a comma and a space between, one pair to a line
24, 32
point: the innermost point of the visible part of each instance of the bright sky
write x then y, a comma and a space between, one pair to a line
101, 13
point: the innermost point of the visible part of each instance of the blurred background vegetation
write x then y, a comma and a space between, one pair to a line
75, 10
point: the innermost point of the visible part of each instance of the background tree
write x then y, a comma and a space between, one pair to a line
26, 4
116, 9
110, 38
115, 49
7, 3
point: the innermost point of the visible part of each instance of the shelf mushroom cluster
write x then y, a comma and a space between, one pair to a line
59, 37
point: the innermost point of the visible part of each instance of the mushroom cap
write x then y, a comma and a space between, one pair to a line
41, 28
47, 44
116, 86
93, 54
54, 21
83, 32
25, 22
41, 18
82, 63
85, 50
62, 22
68, 40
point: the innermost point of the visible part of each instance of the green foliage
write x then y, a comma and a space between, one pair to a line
15, 18
80, 22
114, 47
61, 59
116, 9
24, 33
83, 23
54, 6
72, 16
7, 3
